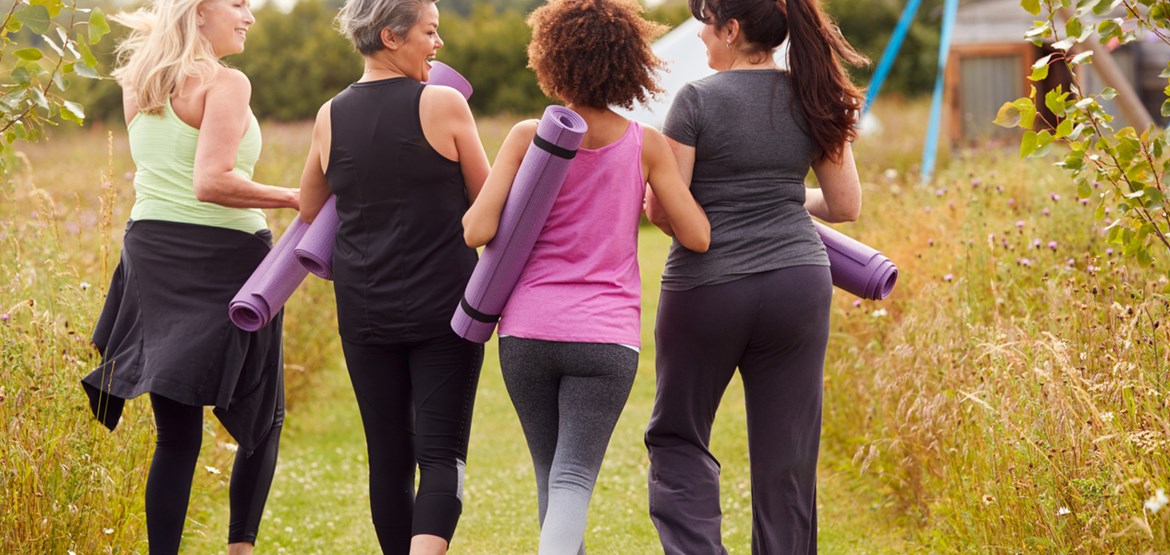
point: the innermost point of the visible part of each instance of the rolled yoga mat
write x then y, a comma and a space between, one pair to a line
274, 280
315, 251
856, 267
536, 186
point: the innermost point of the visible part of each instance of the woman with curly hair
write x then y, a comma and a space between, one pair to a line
745, 139
570, 333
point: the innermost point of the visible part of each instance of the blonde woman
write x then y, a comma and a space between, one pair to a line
196, 232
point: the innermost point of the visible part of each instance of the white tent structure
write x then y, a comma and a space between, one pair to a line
686, 61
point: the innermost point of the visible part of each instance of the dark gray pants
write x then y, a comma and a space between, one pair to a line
568, 397
774, 327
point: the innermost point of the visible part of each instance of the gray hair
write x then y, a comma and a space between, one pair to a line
362, 21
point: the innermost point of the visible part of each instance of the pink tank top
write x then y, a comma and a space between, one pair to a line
581, 283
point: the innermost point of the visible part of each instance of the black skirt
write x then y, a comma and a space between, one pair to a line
165, 329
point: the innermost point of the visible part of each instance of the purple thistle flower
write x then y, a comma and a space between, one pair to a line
948, 277
1045, 212
1055, 197
1052, 245
1020, 224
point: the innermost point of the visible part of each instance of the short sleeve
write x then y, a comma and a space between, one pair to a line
682, 121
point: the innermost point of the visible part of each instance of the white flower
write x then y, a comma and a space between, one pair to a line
1107, 417
231, 447
84, 285
212, 469
1062, 511
1159, 500
879, 313
108, 531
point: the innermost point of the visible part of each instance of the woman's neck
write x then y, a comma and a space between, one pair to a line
377, 69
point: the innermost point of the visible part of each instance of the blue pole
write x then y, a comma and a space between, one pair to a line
887, 62
930, 150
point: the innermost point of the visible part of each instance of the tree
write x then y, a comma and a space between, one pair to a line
1126, 171
49, 44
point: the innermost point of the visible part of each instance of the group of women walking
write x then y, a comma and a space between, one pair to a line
746, 283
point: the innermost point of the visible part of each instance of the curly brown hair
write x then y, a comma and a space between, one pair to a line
594, 52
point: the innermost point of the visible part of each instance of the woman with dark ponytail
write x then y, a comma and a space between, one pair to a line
758, 300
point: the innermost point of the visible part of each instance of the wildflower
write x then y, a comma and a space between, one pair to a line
856, 303
5, 317
930, 242
1159, 500
988, 499
109, 531
1109, 252
1019, 224
129, 176
84, 285
975, 183
1107, 210
948, 277
940, 192
1072, 262
1011, 202
1084, 202
231, 447
1052, 245
1046, 212
1055, 197
212, 469
1062, 511
926, 208
891, 174
1035, 243
1024, 262
879, 313
1105, 416
999, 188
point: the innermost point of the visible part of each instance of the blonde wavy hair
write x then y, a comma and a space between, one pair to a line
164, 48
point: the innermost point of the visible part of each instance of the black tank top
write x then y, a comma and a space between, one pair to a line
399, 262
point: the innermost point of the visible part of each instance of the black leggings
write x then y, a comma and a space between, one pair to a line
168, 487
416, 401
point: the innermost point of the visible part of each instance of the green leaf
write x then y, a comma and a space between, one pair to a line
1085, 57
98, 26
15, 25
1103, 7
52, 6
1032, 6
72, 111
1039, 73
1144, 257
1065, 43
85, 70
1027, 112
1166, 109
31, 54
1028, 144
21, 76
1073, 27
87, 54
1009, 115
1108, 93
1043, 143
1084, 190
1064, 128
1109, 29
36, 18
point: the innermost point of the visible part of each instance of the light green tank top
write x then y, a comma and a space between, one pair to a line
163, 149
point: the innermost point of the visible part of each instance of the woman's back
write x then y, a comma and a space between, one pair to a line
751, 159
399, 262
581, 282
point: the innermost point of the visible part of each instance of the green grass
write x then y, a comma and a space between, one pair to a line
1008, 398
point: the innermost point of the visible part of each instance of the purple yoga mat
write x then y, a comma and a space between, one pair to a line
535, 189
857, 267
315, 251
274, 280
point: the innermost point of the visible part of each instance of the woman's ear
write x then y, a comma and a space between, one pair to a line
732, 31
389, 39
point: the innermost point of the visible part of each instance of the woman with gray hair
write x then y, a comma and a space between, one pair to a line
403, 160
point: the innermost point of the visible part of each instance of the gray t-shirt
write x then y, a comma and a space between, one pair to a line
751, 159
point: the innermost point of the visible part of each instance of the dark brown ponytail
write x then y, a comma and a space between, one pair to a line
830, 102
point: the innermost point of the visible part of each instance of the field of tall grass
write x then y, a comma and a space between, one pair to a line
1013, 394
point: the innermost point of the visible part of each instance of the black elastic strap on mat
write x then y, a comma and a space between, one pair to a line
553, 149
477, 315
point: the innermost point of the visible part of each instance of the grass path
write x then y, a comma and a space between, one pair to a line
319, 502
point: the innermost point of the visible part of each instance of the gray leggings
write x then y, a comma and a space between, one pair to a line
568, 397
